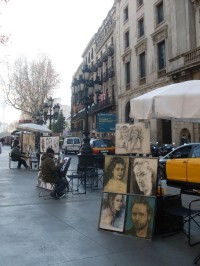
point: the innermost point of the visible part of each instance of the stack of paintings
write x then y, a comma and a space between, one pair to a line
129, 195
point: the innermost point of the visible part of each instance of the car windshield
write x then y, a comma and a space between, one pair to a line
103, 143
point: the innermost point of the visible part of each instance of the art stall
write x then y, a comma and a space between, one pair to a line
130, 183
28, 132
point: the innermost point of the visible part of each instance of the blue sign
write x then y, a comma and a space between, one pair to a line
106, 122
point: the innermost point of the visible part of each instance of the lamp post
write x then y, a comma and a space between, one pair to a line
39, 117
83, 90
48, 111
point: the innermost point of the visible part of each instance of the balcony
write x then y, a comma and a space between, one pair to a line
110, 50
183, 66
96, 108
192, 56
110, 72
105, 77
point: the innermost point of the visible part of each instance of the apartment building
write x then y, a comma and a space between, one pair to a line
99, 56
153, 43
157, 43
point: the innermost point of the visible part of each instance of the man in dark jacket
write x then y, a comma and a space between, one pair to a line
50, 174
16, 155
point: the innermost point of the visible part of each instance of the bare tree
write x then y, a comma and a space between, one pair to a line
29, 84
3, 38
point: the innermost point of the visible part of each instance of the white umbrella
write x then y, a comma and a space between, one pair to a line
179, 101
33, 128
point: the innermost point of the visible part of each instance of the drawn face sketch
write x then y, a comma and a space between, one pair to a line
134, 133
117, 203
140, 217
118, 171
124, 132
144, 175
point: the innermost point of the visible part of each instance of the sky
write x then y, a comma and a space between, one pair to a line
60, 29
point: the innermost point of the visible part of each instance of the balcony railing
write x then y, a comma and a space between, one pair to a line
108, 102
192, 56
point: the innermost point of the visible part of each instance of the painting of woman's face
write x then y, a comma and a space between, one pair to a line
118, 202
118, 171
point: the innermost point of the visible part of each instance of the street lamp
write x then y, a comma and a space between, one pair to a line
50, 112
83, 90
39, 117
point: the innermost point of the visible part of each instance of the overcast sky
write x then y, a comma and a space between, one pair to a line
61, 29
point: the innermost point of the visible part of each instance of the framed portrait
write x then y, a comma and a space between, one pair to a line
140, 216
28, 143
134, 138
143, 176
112, 212
49, 142
116, 170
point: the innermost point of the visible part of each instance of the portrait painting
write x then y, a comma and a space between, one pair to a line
116, 170
140, 216
143, 176
49, 142
112, 212
28, 142
25, 142
132, 138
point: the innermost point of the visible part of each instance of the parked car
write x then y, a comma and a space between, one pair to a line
181, 166
155, 150
102, 146
165, 149
71, 144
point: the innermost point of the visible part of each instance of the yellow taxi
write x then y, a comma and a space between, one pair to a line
102, 146
182, 166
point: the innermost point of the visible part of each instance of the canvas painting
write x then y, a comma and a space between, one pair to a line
140, 216
28, 142
143, 176
49, 142
116, 174
112, 212
133, 138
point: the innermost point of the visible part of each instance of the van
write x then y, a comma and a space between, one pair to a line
71, 144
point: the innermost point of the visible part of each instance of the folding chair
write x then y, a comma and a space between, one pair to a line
94, 178
12, 164
77, 181
175, 216
44, 187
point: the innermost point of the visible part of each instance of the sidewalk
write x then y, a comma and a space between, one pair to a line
38, 231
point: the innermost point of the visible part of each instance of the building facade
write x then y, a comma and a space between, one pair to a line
153, 43
99, 56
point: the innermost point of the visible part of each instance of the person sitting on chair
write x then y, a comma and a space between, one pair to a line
50, 174
18, 156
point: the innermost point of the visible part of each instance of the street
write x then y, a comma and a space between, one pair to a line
45, 231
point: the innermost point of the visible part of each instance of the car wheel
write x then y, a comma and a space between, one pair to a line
66, 152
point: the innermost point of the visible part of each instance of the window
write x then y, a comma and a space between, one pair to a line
141, 27
196, 152
142, 65
127, 73
126, 14
126, 37
161, 55
159, 13
139, 3
92, 54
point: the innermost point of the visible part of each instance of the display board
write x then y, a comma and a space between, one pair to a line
132, 138
49, 142
28, 142
129, 195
